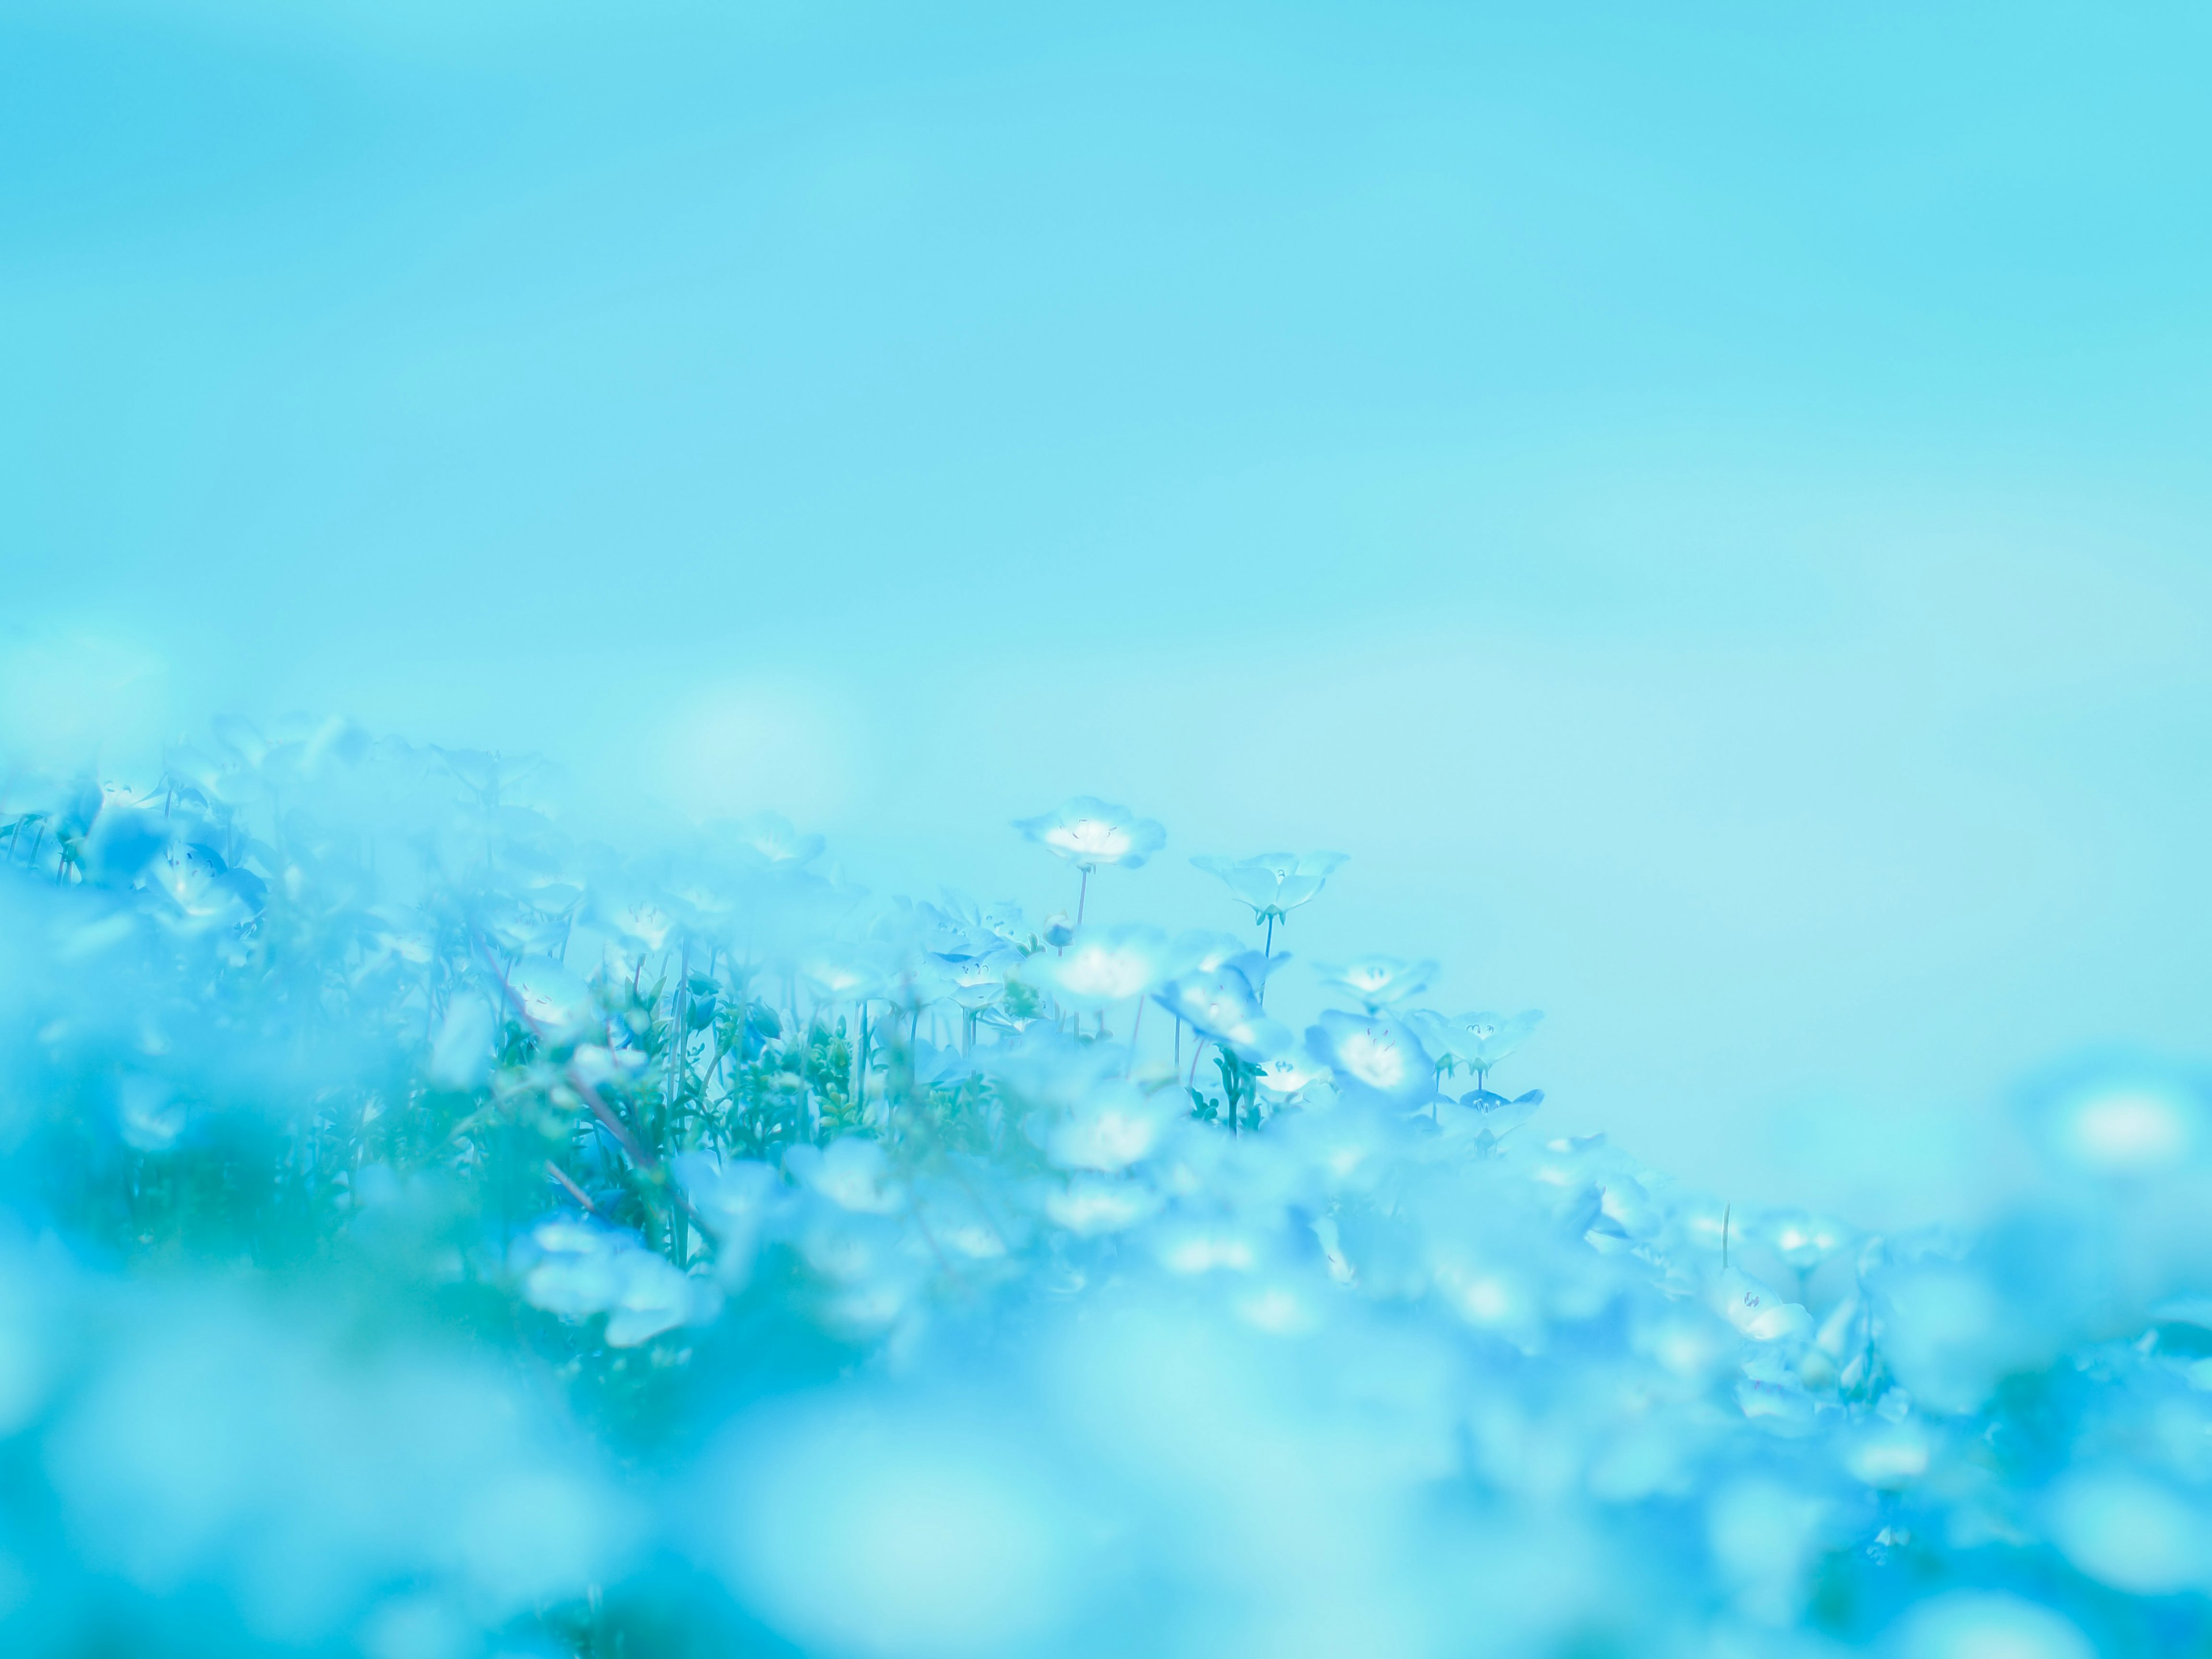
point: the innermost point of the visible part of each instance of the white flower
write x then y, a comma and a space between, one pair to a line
1273, 884
1089, 834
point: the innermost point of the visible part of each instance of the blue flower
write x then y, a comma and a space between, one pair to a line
1479, 1040
1224, 1007
1380, 981
578, 1268
1800, 1238
841, 973
1496, 1114
1091, 834
1116, 1126
1198, 951
1374, 1058
977, 986
1102, 967
768, 838
1273, 884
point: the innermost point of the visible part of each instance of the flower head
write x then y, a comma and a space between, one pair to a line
841, 974
1201, 953
1273, 884
1496, 1114
1800, 1238
1479, 1040
1380, 981
768, 838
1104, 966
1374, 1058
1287, 1073
577, 1268
1224, 1006
1090, 833
1114, 1128
977, 986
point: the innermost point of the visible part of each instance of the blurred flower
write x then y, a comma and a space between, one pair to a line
2129, 1121
769, 839
1103, 968
1374, 1058
550, 997
1989, 1624
461, 1057
2135, 1533
1287, 1073
1800, 1238
1088, 1205
1004, 920
579, 1268
1224, 1007
1478, 1039
1091, 834
124, 838
851, 1173
1199, 951
842, 975
148, 1115
1496, 1114
739, 1199
190, 875
642, 922
978, 985
602, 1068
1114, 1127
1380, 981
276, 1031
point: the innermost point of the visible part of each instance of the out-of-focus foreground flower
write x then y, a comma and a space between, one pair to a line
425, 1235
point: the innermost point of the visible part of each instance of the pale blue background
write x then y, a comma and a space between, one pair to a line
1707, 504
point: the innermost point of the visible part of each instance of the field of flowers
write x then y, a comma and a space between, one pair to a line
426, 1236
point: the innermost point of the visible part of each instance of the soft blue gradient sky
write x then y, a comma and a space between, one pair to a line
1708, 505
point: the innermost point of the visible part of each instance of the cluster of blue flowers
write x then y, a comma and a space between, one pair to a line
425, 1235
